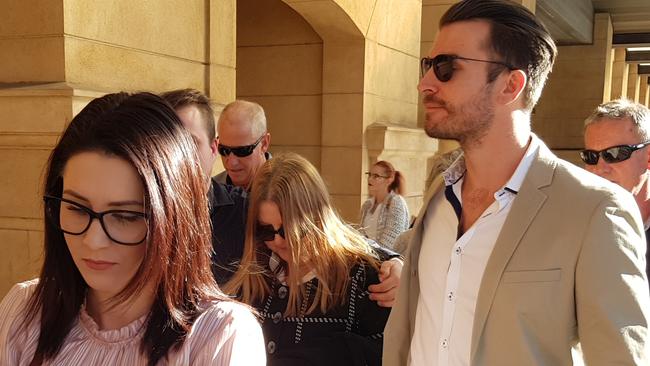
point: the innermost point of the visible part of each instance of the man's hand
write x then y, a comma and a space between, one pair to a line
385, 291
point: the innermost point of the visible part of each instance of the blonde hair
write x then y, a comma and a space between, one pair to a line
317, 238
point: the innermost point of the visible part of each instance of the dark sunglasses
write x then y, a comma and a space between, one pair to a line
239, 151
613, 154
267, 232
443, 65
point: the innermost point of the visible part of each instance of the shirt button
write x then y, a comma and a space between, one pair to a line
458, 250
282, 292
277, 317
270, 347
450, 296
444, 343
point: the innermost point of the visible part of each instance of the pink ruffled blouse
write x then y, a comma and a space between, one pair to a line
226, 333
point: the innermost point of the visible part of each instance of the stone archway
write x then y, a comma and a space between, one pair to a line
279, 66
371, 51
368, 70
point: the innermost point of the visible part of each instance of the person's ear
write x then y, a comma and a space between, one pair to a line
513, 87
391, 179
213, 146
266, 142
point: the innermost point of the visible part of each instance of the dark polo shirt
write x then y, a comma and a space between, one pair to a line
228, 209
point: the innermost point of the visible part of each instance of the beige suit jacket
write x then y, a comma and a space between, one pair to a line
568, 267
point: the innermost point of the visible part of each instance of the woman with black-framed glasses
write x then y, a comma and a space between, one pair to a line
126, 278
307, 272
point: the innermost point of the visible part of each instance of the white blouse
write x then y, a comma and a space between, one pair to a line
226, 333
371, 221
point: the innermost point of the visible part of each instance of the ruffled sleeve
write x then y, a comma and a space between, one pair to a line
227, 334
12, 314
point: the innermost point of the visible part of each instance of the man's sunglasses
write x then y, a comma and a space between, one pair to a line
267, 232
239, 151
613, 154
443, 65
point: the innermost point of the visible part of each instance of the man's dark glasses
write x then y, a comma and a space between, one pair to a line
121, 226
267, 232
239, 151
443, 65
613, 154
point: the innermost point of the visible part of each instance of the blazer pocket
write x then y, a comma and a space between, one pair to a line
549, 275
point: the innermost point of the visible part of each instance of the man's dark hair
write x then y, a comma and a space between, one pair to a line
184, 97
516, 36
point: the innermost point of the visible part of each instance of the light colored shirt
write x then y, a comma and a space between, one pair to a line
371, 221
226, 333
455, 267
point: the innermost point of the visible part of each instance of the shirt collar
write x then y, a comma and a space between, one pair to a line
517, 178
456, 170
218, 195
274, 262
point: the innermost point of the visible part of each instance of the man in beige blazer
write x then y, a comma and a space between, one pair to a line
517, 257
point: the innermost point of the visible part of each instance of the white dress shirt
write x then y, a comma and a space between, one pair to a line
451, 267
371, 222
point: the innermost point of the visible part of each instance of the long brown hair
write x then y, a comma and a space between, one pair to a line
316, 236
143, 130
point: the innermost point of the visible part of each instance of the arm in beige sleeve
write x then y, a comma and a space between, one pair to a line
611, 288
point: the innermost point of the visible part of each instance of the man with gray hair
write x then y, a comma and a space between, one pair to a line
243, 142
617, 135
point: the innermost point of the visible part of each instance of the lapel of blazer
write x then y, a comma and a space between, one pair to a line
436, 182
416, 245
529, 200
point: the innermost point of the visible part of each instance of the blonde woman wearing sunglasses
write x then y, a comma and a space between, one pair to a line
307, 272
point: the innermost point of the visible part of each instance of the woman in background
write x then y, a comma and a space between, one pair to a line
307, 272
126, 277
385, 215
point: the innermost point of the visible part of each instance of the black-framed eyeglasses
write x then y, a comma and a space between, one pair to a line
375, 176
239, 151
121, 226
267, 232
443, 65
612, 154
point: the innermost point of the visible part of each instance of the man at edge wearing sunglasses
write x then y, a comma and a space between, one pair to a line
617, 135
516, 257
